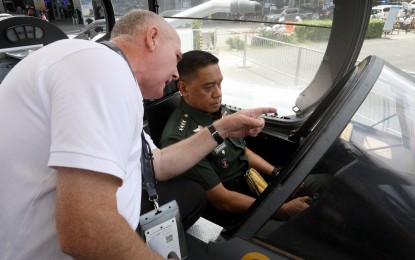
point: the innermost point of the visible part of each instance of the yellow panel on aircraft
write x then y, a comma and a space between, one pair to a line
255, 256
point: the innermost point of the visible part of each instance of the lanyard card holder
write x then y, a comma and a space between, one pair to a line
162, 230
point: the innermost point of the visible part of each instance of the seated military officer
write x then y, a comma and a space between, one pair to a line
220, 173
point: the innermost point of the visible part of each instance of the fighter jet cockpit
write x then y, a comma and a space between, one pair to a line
349, 119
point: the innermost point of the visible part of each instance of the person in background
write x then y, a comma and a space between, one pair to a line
101, 14
221, 173
43, 16
19, 9
30, 11
74, 17
80, 18
70, 142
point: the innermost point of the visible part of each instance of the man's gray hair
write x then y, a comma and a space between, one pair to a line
137, 21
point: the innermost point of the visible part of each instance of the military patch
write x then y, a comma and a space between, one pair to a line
224, 163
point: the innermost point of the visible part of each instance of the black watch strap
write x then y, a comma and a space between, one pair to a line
215, 134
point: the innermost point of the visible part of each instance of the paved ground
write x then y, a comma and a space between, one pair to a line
397, 49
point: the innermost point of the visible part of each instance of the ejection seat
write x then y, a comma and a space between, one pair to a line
158, 112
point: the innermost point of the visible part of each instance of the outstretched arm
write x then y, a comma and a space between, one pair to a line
231, 201
244, 122
293, 207
170, 161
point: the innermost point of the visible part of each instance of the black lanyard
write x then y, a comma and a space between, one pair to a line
147, 167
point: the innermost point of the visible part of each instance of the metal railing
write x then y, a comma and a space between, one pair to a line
291, 60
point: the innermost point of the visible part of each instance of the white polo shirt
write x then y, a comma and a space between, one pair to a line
73, 103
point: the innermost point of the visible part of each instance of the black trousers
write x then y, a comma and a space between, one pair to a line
225, 219
189, 196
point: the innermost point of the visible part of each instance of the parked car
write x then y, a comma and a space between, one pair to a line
380, 11
326, 14
409, 6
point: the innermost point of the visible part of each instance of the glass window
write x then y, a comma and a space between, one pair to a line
264, 63
384, 125
122, 7
370, 170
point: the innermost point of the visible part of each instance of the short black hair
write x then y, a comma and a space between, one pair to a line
194, 60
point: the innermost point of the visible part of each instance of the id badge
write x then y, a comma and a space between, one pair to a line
162, 230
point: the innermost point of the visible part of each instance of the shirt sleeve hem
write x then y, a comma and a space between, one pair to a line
85, 162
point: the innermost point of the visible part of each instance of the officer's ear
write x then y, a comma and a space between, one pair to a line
181, 86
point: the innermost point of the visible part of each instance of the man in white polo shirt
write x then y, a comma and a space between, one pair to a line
70, 144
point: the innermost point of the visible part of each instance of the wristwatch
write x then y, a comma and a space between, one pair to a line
215, 134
